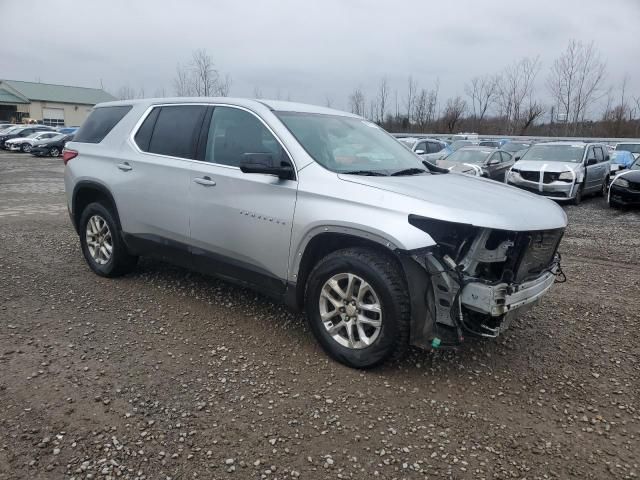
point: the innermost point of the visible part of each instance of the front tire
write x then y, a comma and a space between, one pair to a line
605, 186
102, 244
54, 151
358, 308
25, 148
578, 196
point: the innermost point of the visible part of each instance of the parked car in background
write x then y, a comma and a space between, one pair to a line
562, 170
52, 147
24, 144
629, 147
21, 131
621, 159
67, 130
5, 126
625, 187
479, 161
493, 143
516, 149
321, 209
426, 148
458, 144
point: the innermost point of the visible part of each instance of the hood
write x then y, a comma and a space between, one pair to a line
468, 168
537, 166
472, 200
630, 175
19, 140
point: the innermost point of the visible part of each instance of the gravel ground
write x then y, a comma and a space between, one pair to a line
165, 374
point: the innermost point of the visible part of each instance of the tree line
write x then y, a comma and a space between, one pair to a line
507, 102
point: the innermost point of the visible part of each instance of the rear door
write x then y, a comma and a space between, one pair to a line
152, 179
240, 223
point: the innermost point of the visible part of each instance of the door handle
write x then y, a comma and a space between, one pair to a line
125, 167
206, 181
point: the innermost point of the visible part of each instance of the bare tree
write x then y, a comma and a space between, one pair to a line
160, 93
204, 75
357, 102
412, 87
421, 109
453, 112
515, 87
482, 92
257, 93
182, 82
383, 96
200, 77
125, 92
373, 110
575, 82
327, 101
432, 102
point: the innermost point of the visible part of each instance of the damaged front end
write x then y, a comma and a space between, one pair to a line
479, 279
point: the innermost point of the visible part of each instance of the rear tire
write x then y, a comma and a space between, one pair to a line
378, 304
102, 244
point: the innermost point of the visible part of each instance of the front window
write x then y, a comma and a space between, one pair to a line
469, 156
555, 153
350, 145
636, 165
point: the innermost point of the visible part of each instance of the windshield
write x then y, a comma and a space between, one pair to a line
515, 146
469, 156
555, 153
459, 144
10, 130
409, 142
348, 144
629, 147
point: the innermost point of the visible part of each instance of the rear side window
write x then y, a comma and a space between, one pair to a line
599, 154
143, 136
100, 123
174, 131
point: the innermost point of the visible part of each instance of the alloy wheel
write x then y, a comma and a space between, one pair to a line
99, 240
350, 311
54, 152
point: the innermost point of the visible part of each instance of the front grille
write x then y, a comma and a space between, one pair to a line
543, 193
531, 176
537, 252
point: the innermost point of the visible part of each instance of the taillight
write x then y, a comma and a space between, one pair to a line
68, 154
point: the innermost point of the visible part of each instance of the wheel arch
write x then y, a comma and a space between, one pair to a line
89, 191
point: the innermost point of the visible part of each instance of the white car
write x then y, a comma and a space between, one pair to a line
25, 144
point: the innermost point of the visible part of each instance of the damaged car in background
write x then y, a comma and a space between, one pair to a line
563, 171
322, 210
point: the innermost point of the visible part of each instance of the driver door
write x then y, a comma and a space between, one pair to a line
240, 222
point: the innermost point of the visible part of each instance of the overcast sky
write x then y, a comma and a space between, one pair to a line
308, 50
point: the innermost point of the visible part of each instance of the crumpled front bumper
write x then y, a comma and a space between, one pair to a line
557, 190
500, 299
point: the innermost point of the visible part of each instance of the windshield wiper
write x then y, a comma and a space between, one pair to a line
369, 173
408, 171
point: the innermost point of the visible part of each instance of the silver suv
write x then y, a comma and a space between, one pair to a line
318, 208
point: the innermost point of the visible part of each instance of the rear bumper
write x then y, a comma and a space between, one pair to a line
498, 300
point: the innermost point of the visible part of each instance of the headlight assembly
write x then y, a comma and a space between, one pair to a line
567, 176
621, 182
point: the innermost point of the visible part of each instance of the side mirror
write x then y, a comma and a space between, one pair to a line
591, 161
419, 152
493, 162
516, 158
264, 163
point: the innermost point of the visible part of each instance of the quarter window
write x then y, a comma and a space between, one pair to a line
176, 129
234, 132
100, 122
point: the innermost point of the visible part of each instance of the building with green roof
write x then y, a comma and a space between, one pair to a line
56, 105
